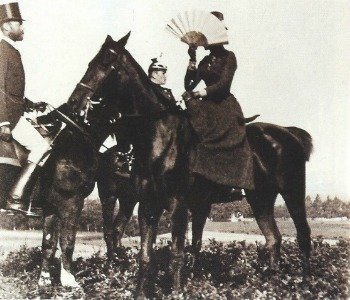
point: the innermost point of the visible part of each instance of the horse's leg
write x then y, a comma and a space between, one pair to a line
49, 247
126, 207
295, 202
200, 206
8, 176
200, 212
262, 203
108, 205
179, 219
70, 210
148, 226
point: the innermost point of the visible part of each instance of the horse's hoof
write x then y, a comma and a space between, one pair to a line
44, 279
67, 279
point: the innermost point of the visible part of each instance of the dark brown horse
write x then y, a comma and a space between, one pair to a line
161, 136
67, 177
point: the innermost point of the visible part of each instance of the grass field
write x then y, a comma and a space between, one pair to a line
328, 229
91, 242
219, 273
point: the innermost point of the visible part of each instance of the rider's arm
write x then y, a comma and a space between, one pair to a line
191, 79
192, 76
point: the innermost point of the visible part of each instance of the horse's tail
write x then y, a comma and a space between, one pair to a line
304, 138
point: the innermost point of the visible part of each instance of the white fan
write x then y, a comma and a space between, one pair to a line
198, 28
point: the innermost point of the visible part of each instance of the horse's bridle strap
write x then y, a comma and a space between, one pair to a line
112, 67
86, 86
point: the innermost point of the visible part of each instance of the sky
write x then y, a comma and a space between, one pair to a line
293, 61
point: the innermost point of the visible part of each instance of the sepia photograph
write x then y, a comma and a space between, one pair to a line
174, 149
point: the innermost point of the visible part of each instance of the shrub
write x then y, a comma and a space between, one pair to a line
232, 271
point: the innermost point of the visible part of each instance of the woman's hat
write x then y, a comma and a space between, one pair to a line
10, 12
218, 14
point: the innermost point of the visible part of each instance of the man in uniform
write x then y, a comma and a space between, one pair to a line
157, 74
13, 104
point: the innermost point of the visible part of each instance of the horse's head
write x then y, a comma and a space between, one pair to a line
113, 83
99, 70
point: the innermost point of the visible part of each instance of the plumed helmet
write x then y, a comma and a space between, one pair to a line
10, 12
156, 65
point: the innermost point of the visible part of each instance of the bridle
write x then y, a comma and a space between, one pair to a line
111, 68
86, 86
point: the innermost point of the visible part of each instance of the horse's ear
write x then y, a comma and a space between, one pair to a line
109, 39
122, 42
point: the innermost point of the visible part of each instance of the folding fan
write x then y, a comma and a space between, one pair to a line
198, 28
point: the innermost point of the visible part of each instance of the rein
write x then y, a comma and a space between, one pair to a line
152, 116
64, 118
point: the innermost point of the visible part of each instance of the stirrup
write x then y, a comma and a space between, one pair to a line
35, 212
17, 207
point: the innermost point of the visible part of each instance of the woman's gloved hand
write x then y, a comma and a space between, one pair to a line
199, 94
188, 95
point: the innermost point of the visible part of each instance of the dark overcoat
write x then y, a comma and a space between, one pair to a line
223, 154
12, 82
12, 103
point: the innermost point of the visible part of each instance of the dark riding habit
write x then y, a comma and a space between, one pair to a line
223, 154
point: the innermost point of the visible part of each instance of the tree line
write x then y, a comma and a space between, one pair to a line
315, 208
91, 217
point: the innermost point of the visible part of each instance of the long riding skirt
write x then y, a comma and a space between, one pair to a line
223, 154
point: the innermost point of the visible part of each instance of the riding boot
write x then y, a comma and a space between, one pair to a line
21, 188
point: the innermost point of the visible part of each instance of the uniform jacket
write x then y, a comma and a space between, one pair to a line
12, 82
223, 154
167, 98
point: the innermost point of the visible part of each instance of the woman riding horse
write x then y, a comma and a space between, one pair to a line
161, 140
223, 158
